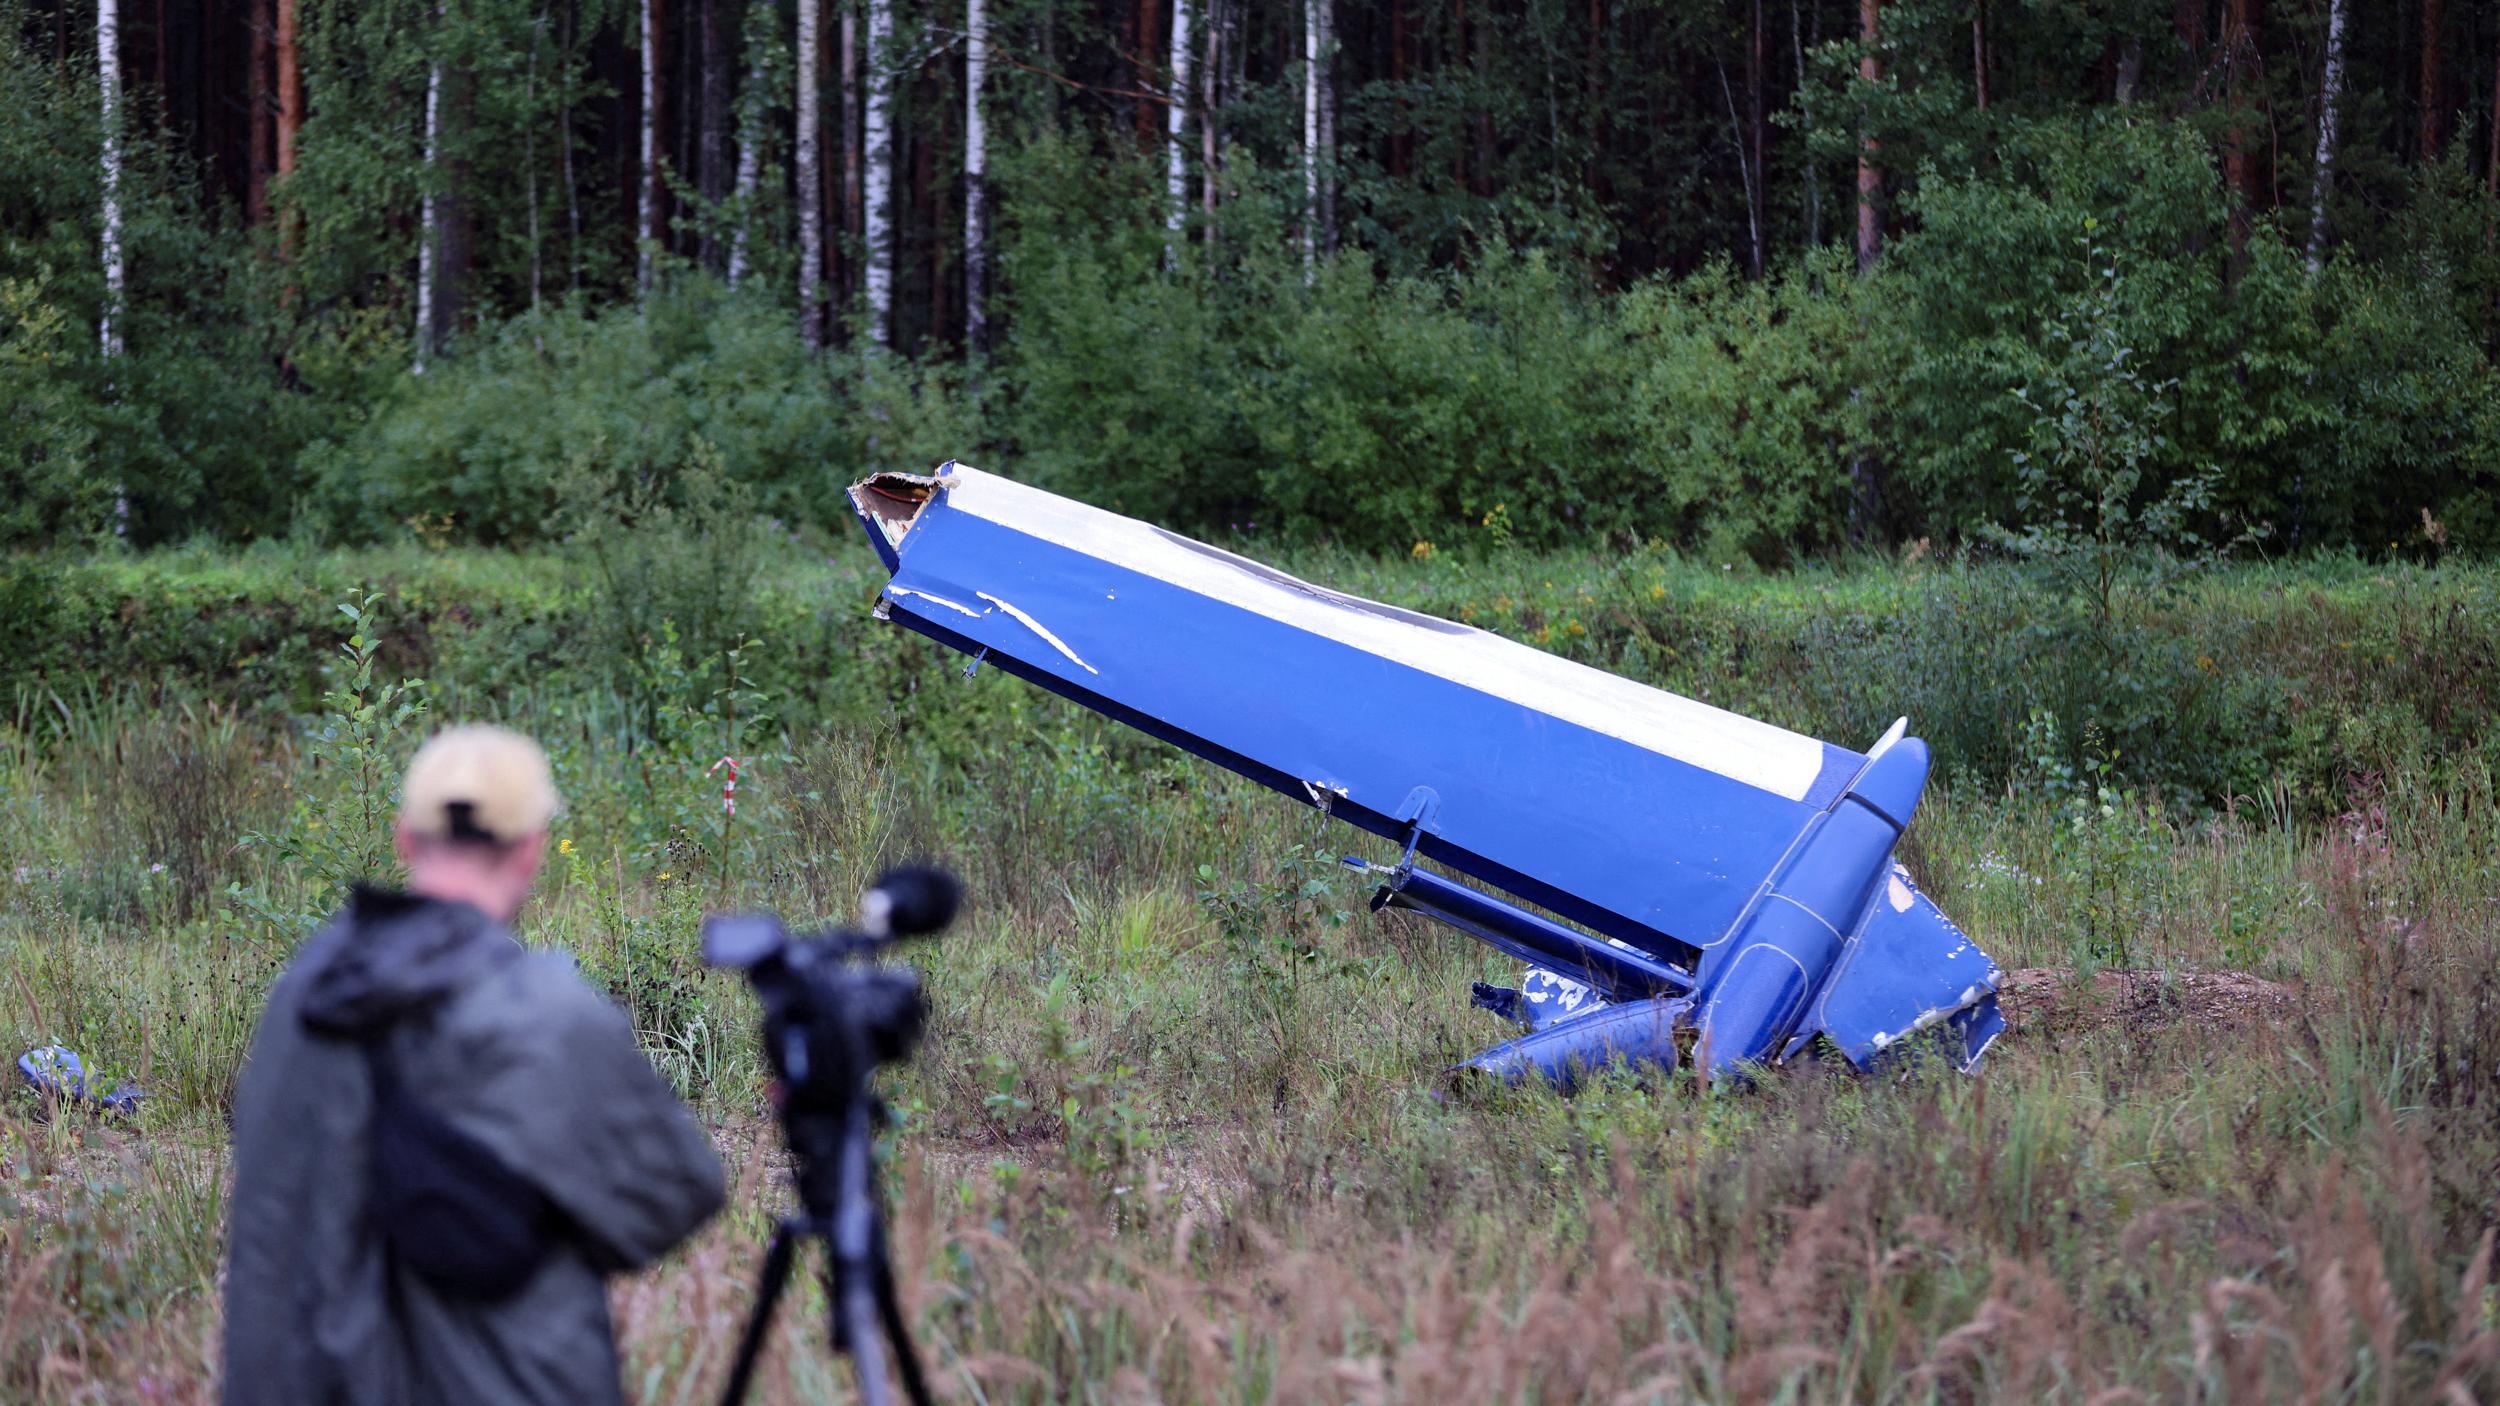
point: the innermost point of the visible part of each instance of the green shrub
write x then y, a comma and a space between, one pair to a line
1746, 408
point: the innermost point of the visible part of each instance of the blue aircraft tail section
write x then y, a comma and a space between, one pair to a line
1725, 876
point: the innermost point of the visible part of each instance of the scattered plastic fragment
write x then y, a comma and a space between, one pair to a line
59, 1076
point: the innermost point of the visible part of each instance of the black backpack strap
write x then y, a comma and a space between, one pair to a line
443, 1203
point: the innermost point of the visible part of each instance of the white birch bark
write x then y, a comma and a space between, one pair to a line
2323, 186
430, 214
109, 94
810, 180
1324, 79
977, 177
1310, 134
647, 224
750, 153
877, 135
109, 83
1176, 133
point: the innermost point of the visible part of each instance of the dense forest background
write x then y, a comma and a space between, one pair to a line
1755, 279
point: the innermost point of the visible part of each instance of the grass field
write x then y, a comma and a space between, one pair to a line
1178, 1133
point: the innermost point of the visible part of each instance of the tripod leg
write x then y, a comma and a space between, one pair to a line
768, 1287
855, 1318
906, 1357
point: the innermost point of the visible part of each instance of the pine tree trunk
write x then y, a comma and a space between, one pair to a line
2331, 88
1482, 37
1870, 177
1979, 53
2188, 18
2239, 45
1210, 110
712, 133
1757, 136
529, 150
877, 175
2491, 168
455, 215
752, 116
976, 178
647, 214
1327, 125
1401, 136
1176, 136
1147, 34
260, 106
290, 107
809, 181
2434, 116
1813, 171
937, 207
848, 272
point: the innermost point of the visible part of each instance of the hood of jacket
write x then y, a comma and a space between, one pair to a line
395, 954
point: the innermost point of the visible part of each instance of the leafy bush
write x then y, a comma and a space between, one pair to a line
2337, 408
1746, 408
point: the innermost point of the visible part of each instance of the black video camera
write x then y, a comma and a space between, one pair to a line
832, 1018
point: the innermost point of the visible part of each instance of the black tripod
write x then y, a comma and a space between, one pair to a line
836, 1180
832, 1017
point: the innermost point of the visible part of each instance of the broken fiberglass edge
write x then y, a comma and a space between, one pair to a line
1735, 879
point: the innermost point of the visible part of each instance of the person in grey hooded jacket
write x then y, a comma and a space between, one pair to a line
424, 1000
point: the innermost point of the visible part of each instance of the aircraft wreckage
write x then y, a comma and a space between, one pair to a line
1726, 888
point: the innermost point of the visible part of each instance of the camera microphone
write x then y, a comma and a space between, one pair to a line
909, 901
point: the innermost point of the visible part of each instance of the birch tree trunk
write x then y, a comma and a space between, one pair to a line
108, 63
430, 210
751, 119
1310, 134
109, 87
977, 176
647, 222
877, 136
1176, 135
810, 180
2322, 187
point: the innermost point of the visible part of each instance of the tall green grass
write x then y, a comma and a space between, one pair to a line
1178, 1131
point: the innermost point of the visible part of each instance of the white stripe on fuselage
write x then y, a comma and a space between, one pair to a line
1742, 749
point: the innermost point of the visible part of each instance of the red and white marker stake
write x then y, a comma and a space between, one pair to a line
729, 789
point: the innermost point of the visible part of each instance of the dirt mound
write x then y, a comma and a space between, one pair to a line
2050, 998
